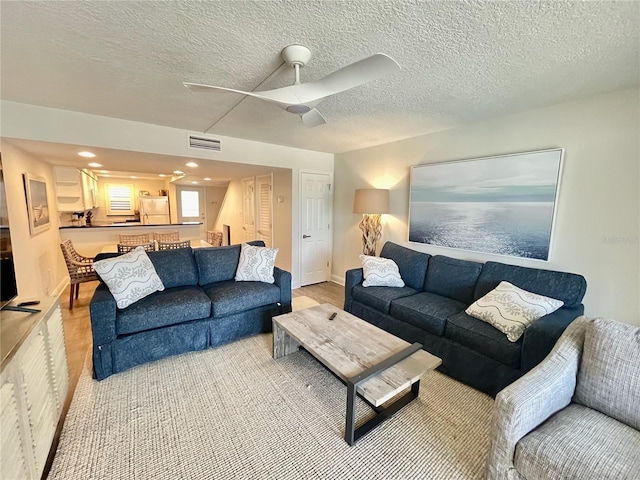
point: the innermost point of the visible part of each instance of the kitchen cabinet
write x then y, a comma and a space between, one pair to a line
76, 190
33, 388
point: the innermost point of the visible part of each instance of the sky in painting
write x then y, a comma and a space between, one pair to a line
529, 177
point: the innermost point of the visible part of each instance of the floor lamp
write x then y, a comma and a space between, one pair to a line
371, 203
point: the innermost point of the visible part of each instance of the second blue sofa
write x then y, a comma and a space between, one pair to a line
201, 306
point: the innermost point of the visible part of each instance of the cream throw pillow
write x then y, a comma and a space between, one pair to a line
129, 277
511, 309
256, 264
380, 272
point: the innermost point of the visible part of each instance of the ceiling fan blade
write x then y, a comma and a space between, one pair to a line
278, 96
354, 75
313, 118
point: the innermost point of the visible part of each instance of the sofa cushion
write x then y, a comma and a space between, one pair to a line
426, 311
483, 338
380, 297
219, 264
174, 305
380, 272
568, 287
412, 264
175, 268
511, 309
578, 442
232, 297
256, 264
609, 375
130, 277
453, 278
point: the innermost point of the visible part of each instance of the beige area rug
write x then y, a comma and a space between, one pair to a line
299, 303
233, 412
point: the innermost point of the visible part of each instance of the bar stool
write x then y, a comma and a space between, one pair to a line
173, 245
166, 236
214, 237
80, 269
126, 247
134, 239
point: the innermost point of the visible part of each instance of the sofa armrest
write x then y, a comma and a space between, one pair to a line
283, 280
533, 398
352, 278
540, 337
103, 316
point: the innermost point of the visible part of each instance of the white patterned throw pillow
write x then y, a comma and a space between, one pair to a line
256, 264
511, 309
380, 272
129, 277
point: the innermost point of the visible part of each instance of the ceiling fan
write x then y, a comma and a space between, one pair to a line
302, 98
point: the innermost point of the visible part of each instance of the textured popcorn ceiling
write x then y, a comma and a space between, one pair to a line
461, 61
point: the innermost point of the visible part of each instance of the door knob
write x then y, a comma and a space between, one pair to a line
306, 236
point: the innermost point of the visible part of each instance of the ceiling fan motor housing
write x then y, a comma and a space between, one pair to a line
296, 55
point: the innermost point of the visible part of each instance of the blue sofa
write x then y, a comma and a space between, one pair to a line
201, 306
430, 309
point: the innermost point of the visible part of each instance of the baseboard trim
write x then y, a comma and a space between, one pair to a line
60, 288
339, 279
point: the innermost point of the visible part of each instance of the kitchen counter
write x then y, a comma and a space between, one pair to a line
129, 224
90, 240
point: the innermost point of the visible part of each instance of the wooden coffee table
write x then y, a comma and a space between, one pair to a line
376, 365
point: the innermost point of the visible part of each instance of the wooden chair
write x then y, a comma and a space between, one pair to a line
126, 248
214, 237
134, 239
173, 245
166, 236
80, 269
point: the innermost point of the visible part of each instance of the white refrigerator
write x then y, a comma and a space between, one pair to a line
154, 210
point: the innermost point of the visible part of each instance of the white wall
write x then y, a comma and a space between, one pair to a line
62, 126
39, 265
597, 229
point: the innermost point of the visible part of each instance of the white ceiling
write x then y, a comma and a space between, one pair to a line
462, 61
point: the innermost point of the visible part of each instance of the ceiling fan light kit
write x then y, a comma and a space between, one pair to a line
302, 98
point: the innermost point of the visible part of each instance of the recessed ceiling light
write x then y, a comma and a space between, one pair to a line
191, 164
207, 178
194, 183
133, 176
178, 172
162, 175
87, 154
106, 175
95, 165
102, 171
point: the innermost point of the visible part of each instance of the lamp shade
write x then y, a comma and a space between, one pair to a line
371, 200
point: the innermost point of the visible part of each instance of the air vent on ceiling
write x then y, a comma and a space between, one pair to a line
204, 143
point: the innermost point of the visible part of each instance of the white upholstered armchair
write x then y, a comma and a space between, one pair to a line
577, 414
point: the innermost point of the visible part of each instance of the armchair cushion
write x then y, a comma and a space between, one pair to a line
609, 377
578, 442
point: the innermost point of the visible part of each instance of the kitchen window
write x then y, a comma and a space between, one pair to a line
119, 199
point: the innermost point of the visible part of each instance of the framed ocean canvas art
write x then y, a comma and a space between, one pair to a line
503, 205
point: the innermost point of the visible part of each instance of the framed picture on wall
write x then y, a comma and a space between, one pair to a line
37, 203
502, 205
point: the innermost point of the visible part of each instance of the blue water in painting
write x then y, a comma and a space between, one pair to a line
521, 229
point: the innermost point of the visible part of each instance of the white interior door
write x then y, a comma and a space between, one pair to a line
264, 209
190, 203
248, 209
315, 228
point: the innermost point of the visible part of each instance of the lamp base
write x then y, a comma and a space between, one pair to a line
371, 232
